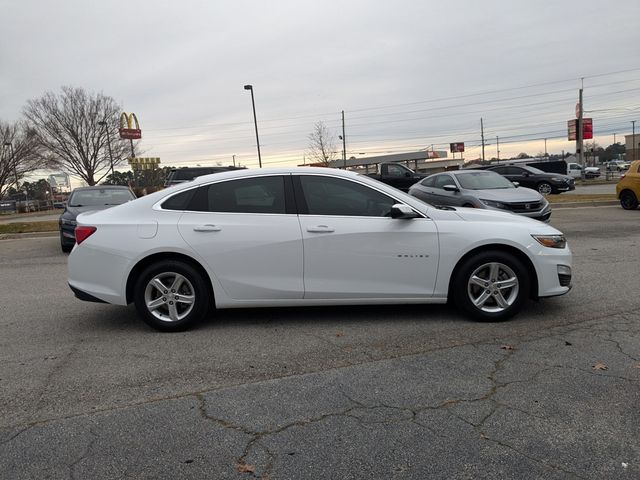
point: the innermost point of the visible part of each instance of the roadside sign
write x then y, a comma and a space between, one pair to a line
587, 128
456, 147
572, 127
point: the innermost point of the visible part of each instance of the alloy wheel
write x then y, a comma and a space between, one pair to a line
493, 287
544, 188
169, 297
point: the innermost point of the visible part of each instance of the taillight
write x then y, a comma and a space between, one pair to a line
82, 233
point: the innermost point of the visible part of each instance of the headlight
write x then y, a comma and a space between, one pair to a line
68, 221
551, 241
494, 204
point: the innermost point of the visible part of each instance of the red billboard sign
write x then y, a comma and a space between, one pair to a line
456, 147
587, 128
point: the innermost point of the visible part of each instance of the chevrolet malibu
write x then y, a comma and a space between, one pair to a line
309, 236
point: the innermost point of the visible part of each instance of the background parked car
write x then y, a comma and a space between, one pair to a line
617, 166
481, 189
628, 188
86, 199
531, 177
575, 170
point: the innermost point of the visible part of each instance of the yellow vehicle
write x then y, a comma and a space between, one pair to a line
628, 188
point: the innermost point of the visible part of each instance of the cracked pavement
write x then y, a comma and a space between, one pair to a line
88, 392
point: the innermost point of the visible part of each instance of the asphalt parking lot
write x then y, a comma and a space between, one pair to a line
88, 391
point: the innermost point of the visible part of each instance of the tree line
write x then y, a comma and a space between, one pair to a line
73, 130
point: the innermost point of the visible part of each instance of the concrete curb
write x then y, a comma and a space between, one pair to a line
601, 203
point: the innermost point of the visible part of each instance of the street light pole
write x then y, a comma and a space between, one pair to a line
255, 121
104, 124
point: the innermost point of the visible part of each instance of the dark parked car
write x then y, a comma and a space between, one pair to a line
481, 189
86, 199
186, 174
531, 177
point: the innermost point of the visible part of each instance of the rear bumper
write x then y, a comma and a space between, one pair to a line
80, 295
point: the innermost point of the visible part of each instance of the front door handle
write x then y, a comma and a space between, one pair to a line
320, 229
206, 228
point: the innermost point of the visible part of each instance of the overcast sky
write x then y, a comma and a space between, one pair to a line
408, 74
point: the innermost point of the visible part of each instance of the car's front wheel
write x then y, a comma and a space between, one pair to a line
628, 200
171, 296
545, 188
491, 286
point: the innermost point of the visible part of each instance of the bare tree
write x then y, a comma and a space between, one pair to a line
18, 154
322, 145
74, 128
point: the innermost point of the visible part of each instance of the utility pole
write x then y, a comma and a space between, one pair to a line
344, 144
579, 146
545, 148
614, 138
234, 160
498, 147
633, 138
482, 135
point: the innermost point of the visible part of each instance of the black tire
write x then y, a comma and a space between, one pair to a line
468, 205
65, 247
173, 312
544, 188
479, 265
628, 200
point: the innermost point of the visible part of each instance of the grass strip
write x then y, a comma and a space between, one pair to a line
29, 227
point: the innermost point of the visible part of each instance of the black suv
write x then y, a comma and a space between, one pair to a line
186, 174
536, 179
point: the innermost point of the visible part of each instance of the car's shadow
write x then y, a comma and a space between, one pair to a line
113, 318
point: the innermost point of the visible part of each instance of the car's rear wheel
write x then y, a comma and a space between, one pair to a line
491, 286
171, 296
544, 188
628, 200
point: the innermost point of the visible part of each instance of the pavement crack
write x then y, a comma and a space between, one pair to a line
619, 347
16, 435
85, 454
532, 458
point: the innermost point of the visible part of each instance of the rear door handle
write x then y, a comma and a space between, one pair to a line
320, 229
206, 228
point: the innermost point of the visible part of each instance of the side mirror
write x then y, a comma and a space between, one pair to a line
407, 174
516, 184
400, 210
451, 188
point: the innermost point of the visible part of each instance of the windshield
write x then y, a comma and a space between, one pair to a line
100, 196
483, 181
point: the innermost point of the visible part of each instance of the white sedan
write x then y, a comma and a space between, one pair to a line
309, 236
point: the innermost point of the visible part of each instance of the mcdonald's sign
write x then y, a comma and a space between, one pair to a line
127, 123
